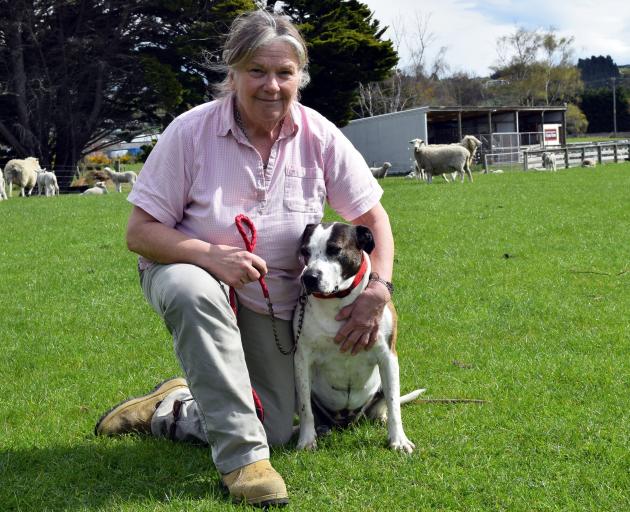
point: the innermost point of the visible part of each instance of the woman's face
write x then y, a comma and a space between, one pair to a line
267, 84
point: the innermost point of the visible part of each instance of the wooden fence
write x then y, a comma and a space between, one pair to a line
572, 155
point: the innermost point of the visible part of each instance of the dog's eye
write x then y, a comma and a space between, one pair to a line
304, 253
333, 250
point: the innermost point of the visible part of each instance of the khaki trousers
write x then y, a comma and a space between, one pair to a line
222, 357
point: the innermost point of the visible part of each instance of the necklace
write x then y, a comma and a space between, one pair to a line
239, 122
241, 125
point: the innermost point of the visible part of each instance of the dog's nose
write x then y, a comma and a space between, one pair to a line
311, 280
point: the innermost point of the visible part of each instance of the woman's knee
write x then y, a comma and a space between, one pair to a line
189, 288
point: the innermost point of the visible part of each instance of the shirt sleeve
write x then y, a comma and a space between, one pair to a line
164, 182
350, 187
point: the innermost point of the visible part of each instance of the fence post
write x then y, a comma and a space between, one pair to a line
485, 163
566, 157
615, 150
599, 154
525, 160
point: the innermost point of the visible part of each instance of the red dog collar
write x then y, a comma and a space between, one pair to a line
355, 282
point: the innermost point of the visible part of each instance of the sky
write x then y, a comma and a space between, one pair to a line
469, 30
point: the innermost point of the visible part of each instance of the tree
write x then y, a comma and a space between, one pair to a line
537, 67
420, 82
597, 105
345, 50
577, 123
597, 70
78, 75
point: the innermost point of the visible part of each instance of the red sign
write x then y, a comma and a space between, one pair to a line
551, 134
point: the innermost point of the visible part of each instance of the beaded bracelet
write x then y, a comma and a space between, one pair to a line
375, 277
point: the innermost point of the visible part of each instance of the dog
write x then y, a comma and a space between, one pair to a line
336, 388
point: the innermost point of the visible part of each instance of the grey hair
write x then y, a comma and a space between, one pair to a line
251, 31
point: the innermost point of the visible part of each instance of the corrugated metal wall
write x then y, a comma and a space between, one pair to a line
386, 138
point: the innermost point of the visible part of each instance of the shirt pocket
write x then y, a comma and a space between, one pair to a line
304, 189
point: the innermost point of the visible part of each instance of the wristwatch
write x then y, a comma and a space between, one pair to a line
375, 277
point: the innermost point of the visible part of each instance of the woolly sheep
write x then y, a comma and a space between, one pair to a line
380, 172
588, 162
118, 178
23, 173
47, 181
441, 159
98, 189
3, 194
471, 143
549, 161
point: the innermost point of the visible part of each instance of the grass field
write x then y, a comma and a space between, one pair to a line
515, 289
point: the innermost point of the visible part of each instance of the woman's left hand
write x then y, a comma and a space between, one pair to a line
363, 317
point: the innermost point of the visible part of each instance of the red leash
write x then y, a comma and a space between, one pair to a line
250, 244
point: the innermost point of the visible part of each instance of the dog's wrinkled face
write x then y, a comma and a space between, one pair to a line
332, 254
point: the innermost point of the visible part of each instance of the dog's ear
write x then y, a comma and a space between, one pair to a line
365, 240
306, 234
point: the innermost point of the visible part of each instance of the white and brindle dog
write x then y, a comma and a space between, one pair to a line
336, 388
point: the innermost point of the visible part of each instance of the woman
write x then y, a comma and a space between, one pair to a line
255, 151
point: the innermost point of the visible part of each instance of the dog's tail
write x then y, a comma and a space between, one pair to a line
410, 397
378, 410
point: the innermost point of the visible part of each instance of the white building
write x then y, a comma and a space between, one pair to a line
503, 130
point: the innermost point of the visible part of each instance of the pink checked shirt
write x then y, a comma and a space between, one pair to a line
203, 172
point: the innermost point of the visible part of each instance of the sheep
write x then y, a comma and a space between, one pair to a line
549, 161
23, 173
3, 194
417, 173
118, 178
98, 189
380, 172
471, 143
588, 162
441, 159
47, 181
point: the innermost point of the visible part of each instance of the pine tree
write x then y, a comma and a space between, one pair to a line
345, 49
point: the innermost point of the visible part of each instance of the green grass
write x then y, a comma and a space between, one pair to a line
587, 138
521, 278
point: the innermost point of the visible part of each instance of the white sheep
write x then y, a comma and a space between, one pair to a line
47, 181
440, 159
416, 173
3, 194
380, 172
98, 189
118, 178
549, 161
471, 143
588, 162
23, 173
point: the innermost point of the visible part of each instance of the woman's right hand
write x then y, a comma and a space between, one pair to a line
234, 266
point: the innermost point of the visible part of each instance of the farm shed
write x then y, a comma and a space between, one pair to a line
504, 131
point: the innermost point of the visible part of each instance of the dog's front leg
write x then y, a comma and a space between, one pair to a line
390, 380
302, 361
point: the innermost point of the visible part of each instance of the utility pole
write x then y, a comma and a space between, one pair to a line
614, 91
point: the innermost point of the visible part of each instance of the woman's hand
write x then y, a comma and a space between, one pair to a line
234, 266
363, 319
158, 242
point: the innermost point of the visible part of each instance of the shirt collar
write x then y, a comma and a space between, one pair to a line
227, 123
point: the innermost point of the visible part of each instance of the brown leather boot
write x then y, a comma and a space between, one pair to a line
134, 414
257, 484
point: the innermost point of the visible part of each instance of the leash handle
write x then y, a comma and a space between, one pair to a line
250, 244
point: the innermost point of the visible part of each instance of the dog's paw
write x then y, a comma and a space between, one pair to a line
307, 444
402, 444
